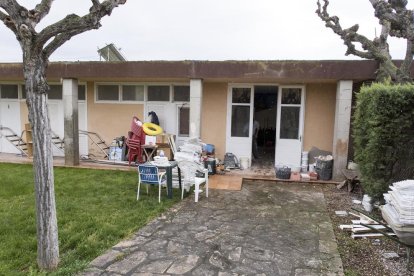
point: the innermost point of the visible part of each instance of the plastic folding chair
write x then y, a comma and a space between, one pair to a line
149, 175
188, 172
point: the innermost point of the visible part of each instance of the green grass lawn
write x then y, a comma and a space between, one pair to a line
95, 210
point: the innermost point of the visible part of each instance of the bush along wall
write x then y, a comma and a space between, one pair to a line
383, 130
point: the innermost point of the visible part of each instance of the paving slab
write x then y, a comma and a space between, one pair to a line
266, 228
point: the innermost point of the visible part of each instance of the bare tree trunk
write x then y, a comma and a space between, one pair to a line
47, 231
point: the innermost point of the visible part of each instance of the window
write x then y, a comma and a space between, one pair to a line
55, 95
9, 91
132, 93
184, 121
159, 93
107, 92
55, 92
81, 92
181, 93
120, 92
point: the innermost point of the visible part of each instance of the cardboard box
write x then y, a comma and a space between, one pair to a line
162, 138
150, 140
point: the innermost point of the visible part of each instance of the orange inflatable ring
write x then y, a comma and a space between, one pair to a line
152, 129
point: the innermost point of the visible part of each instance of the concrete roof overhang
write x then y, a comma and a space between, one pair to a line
289, 71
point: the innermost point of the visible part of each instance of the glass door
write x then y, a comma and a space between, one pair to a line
289, 126
239, 120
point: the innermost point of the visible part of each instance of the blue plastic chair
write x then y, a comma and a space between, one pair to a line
149, 175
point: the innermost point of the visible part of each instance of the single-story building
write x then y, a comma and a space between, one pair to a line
298, 104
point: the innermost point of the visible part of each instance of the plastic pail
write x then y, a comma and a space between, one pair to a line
244, 163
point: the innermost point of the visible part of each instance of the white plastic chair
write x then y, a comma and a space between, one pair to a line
188, 177
149, 175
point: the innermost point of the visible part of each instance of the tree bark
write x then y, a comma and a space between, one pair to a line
37, 48
46, 221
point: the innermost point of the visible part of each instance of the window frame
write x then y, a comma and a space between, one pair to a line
18, 91
120, 91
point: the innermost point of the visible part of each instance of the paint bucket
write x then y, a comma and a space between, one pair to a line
244, 163
304, 168
305, 161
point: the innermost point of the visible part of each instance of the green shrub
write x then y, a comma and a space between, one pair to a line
383, 130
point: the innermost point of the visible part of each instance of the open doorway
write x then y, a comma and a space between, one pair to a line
264, 118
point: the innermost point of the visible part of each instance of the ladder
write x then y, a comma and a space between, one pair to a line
58, 142
14, 139
97, 141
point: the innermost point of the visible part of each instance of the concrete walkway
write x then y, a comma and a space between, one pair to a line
264, 229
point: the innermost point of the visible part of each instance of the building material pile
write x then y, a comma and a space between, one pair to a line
358, 230
399, 210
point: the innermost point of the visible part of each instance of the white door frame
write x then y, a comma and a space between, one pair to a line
5, 145
289, 156
239, 146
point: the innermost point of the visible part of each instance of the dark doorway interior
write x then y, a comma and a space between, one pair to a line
265, 110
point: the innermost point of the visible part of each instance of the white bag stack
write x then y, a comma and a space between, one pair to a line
399, 210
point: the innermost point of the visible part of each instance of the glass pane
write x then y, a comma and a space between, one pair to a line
23, 91
184, 127
289, 122
55, 92
108, 93
159, 93
241, 95
182, 93
132, 92
240, 119
81, 92
9, 91
291, 95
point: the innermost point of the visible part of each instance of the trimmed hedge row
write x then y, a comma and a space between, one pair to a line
383, 130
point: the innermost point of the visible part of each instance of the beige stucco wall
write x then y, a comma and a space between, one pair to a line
319, 116
110, 120
213, 117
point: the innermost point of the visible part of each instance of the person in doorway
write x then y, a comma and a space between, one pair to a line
256, 127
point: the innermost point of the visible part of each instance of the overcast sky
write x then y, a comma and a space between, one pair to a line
209, 30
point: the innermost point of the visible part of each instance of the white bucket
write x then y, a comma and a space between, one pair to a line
305, 154
305, 161
244, 163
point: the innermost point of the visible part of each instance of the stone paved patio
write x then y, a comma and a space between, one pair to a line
267, 228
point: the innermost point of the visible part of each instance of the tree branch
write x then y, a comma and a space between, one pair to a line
396, 12
58, 41
350, 36
41, 10
73, 24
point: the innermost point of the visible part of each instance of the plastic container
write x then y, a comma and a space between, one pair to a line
324, 169
210, 165
244, 163
282, 172
305, 154
312, 167
209, 148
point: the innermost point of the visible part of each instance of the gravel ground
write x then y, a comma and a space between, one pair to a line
362, 256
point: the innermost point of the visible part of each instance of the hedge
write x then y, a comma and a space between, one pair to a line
383, 130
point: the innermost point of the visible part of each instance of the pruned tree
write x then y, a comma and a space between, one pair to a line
37, 46
395, 20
